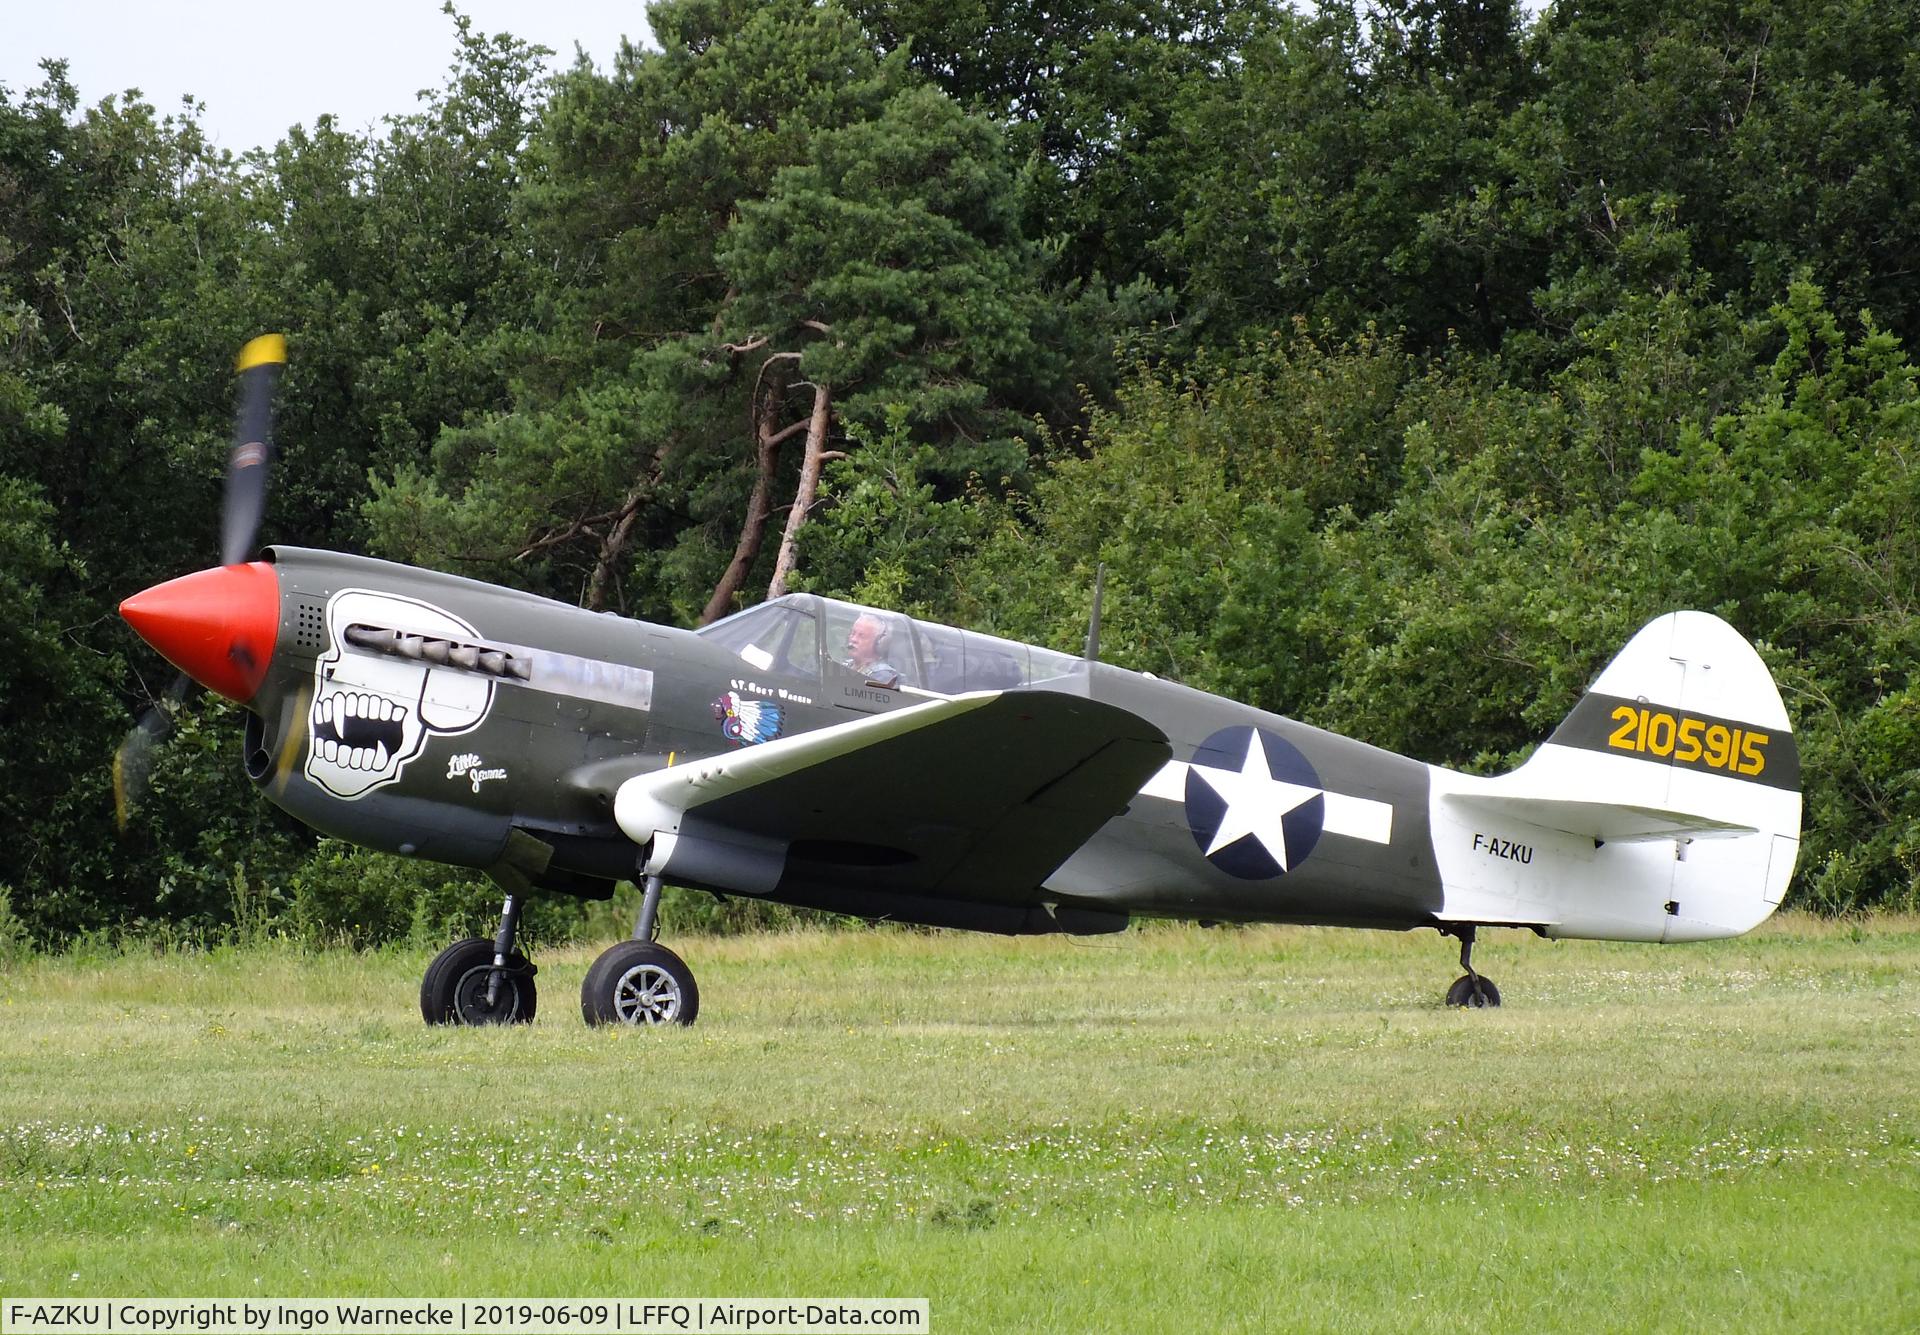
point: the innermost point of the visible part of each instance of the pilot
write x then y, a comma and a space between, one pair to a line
867, 644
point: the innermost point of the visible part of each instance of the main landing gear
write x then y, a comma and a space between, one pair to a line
477, 981
1475, 990
640, 982
637, 982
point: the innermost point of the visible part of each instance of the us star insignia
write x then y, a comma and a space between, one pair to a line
1254, 804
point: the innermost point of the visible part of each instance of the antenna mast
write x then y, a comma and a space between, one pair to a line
1093, 621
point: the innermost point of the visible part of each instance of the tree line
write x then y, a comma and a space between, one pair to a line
1398, 359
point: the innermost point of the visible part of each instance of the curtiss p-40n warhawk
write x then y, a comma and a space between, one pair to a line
823, 754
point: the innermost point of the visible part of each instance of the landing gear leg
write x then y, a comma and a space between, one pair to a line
647, 927
640, 982
503, 946
1474, 990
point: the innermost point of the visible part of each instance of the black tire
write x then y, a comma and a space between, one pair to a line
639, 983
1474, 991
454, 989
436, 995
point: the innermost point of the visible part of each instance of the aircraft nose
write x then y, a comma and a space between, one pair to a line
218, 626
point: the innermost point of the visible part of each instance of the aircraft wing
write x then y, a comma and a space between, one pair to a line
979, 796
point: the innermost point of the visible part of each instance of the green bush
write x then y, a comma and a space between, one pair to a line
15, 944
350, 896
347, 896
698, 912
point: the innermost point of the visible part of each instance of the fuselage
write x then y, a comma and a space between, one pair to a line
440, 760
433, 716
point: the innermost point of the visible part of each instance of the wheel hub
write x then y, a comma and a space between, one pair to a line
646, 994
470, 998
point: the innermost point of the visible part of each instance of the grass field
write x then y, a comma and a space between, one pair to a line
1175, 1129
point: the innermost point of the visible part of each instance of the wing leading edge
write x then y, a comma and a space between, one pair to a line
978, 797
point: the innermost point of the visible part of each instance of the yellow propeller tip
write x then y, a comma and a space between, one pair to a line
121, 806
266, 350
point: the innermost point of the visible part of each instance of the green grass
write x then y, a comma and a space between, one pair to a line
1174, 1129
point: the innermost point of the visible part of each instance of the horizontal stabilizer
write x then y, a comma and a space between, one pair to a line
1606, 822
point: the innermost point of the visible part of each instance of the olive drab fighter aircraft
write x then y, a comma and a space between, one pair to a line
847, 758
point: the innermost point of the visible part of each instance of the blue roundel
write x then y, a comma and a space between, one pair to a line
1254, 804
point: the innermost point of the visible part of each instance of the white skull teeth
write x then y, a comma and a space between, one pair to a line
357, 730
355, 705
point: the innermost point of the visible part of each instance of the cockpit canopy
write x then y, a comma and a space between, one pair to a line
805, 635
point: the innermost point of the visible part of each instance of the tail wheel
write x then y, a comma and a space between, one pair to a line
639, 983
454, 990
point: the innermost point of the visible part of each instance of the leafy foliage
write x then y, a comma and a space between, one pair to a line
1460, 616
1397, 359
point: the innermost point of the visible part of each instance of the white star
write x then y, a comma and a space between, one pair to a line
1256, 802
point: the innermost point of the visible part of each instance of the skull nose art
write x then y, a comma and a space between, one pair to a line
218, 626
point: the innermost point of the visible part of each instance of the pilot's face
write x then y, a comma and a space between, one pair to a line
862, 640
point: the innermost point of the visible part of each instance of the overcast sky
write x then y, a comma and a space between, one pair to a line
262, 68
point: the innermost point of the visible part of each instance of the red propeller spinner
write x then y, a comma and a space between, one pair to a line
218, 626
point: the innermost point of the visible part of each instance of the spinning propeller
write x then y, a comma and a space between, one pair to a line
223, 651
